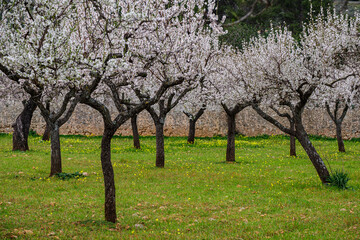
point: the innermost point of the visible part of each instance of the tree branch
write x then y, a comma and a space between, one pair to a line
272, 120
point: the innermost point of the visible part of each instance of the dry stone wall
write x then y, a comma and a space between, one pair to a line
86, 121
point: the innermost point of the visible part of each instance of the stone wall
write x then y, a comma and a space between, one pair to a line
86, 121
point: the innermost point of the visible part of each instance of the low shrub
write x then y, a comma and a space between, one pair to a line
67, 176
339, 179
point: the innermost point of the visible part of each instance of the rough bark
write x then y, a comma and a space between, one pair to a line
339, 138
230, 150
160, 152
55, 151
159, 121
313, 156
22, 126
191, 136
108, 173
301, 135
192, 123
292, 141
338, 120
46, 135
135, 132
231, 115
110, 127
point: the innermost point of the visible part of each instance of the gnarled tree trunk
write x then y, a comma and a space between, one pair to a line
192, 123
314, 157
47, 131
231, 116
338, 120
299, 133
108, 172
135, 132
22, 126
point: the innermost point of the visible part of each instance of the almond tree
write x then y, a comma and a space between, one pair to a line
184, 46
41, 47
10, 89
158, 49
193, 105
136, 136
233, 86
22, 123
296, 71
338, 99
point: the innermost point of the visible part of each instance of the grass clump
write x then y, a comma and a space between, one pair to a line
67, 176
339, 179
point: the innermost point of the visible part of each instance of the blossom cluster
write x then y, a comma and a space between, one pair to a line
128, 50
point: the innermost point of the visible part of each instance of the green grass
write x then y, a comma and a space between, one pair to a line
266, 194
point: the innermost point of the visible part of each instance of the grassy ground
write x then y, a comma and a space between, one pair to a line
266, 194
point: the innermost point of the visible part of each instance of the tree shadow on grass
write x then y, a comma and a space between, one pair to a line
240, 162
91, 224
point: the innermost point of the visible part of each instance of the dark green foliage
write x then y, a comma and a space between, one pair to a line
67, 176
289, 13
339, 179
238, 34
33, 133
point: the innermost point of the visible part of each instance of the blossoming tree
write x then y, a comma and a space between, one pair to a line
338, 99
193, 105
234, 86
296, 71
158, 48
184, 45
10, 90
43, 50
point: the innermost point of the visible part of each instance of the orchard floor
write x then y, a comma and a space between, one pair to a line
264, 195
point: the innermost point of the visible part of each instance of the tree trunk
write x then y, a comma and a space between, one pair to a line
313, 155
135, 132
108, 172
230, 151
191, 136
160, 153
46, 135
338, 120
339, 137
292, 141
192, 123
22, 126
55, 151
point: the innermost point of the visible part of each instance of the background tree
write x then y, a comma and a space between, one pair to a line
296, 71
40, 49
21, 126
183, 55
232, 89
337, 100
342, 96
193, 105
136, 136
